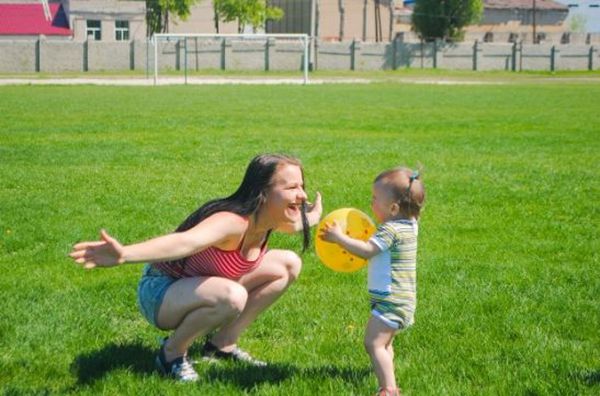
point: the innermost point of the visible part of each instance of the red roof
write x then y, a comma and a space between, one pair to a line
29, 19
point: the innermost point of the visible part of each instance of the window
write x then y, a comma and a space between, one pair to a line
540, 38
93, 29
573, 5
594, 5
121, 30
488, 37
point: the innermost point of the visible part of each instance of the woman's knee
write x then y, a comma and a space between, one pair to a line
292, 263
233, 298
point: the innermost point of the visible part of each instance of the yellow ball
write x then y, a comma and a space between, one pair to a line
353, 223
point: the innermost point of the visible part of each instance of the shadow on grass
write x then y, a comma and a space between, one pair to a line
248, 377
588, 377
92, 366
136, 358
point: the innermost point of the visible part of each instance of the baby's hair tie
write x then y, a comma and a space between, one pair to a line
415, 175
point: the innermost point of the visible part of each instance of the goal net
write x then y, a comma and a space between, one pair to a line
239, 52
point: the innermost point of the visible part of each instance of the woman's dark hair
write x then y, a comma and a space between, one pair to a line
251, 194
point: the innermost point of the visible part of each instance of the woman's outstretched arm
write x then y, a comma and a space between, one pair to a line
108, 252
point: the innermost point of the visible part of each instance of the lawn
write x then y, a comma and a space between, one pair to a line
508, 267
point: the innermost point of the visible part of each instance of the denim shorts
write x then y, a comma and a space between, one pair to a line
151, 292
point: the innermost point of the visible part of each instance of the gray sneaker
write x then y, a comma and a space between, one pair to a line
211, 352
179, 369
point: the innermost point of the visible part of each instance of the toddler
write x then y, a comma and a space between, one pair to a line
398, 197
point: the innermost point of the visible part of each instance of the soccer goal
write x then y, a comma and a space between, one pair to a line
195, 51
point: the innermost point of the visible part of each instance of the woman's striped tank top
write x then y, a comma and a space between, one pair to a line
212, 262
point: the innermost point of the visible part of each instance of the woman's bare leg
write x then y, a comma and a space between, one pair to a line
277, 271
195, 306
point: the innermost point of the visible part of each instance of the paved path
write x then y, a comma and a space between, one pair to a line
251, 80
178, 81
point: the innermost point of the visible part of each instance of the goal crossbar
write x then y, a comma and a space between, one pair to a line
304, 38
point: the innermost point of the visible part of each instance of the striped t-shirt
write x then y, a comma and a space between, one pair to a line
212, 262
392, 273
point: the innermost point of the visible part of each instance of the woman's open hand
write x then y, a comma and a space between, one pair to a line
314, 210
107, 252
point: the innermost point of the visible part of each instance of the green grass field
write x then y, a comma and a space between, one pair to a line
509, 266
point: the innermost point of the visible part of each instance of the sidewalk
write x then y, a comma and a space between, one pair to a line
133, 81
260, 80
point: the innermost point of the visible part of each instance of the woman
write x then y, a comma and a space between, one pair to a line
214, 271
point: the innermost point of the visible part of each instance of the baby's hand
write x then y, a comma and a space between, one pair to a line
331, 232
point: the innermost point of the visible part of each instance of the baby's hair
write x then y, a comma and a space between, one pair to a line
406, 188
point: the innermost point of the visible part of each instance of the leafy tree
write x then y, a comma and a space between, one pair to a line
577, 23
444, 19
246, 12
158, 11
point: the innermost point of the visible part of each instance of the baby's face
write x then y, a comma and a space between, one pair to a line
381, 202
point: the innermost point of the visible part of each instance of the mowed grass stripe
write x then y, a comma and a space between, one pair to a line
508, 261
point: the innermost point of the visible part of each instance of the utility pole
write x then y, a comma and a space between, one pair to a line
392, 6
313, 31
342, 9
535, 41
378, 31
364, 30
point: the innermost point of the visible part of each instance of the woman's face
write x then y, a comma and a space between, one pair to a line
286, 195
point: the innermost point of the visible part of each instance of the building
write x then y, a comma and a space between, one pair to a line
514, 20
79, 20
106, 20
504, 21
329, 20
22, 21
335, 20
201, 20
338, 20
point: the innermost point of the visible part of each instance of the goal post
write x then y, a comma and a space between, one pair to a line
303, 39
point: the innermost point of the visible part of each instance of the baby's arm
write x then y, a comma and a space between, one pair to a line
364, 249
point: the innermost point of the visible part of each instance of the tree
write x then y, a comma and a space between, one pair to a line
246, 12
444, 19
577, 23
157, 13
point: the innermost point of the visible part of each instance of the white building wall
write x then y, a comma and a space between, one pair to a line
107, 12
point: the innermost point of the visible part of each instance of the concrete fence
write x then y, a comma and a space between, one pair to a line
20, 56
